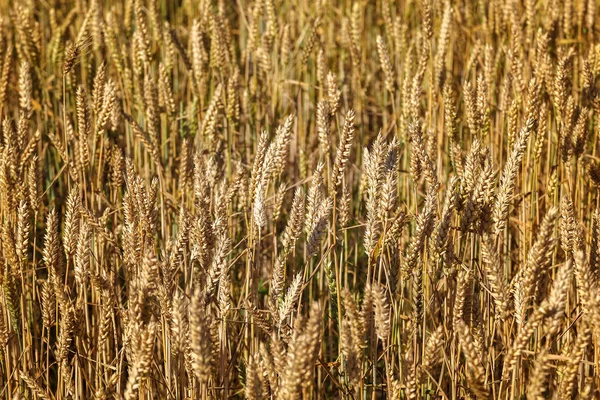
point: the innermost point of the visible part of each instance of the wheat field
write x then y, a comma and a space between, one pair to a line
277, 199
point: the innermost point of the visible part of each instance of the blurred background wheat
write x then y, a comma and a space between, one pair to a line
299, 200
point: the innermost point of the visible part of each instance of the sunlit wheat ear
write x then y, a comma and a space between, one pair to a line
278, 202
509, 176
318, 227
441, 243
6, 70
257, 166
538, 260
23, 233
259, 211
424, 227
420, 158
352, 337
444, 37
75, 50
34, 386
495, 276
474, 362
72, 51
586, 283
382, 313
386, 64
570, 238
25, 88
65, 336
82, 255
538, 380
343, 150
323, 126
200, 338
295, 222
279, 149
433, 351
568, 383
293, 294
551, 307
344, 212
302, 353
140, 368
471, 110
314, 197
108, 103
254, 386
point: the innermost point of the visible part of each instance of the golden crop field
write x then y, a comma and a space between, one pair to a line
277, 199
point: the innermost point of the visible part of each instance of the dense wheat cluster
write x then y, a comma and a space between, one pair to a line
299, 200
